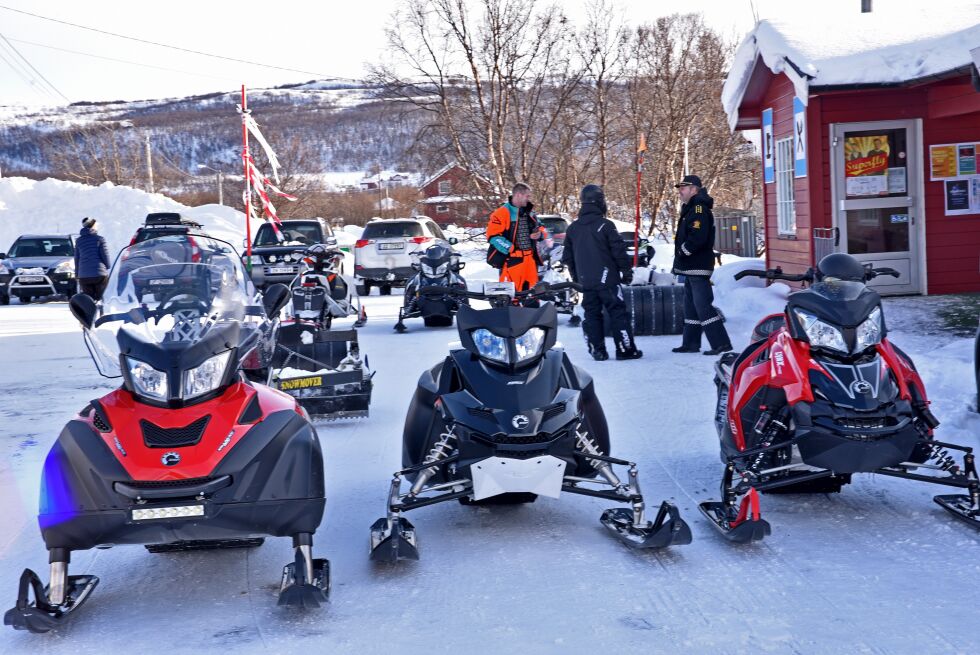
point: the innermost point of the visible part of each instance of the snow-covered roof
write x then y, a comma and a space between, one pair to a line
442, 171
887, 47
438, 200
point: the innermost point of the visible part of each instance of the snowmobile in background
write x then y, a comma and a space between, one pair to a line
507, 417
186, 454
644, 254
553, 272
821, 394
320, 366
436, 266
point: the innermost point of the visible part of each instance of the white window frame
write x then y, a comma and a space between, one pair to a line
785, 194
442, 209
445, 187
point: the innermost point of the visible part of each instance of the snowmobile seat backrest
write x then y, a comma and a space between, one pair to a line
767, 326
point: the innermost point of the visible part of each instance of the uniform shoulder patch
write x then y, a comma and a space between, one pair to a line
698, 209
696, 225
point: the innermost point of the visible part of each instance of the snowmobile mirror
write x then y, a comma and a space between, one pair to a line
83, 308
274, 299
459, 266
330, 241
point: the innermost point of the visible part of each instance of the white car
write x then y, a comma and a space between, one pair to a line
383, 254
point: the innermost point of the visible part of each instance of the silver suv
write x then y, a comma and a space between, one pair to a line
382, 256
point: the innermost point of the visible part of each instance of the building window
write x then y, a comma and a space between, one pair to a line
445, 187
442, 209
785, 205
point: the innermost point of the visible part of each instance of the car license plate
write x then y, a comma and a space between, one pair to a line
276, 270
162, 282
390, 246
30, 279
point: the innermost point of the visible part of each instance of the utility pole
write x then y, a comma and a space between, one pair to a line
221, 192
149, 163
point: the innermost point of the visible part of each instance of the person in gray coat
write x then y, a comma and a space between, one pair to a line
91, 260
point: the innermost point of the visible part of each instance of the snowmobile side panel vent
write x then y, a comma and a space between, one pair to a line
100, 423
156, 437
554, 410
482, 412
167, 489
253, 411
522, 439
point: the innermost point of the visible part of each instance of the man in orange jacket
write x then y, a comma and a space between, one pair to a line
512, 231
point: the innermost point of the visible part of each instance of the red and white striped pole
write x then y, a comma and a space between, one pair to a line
248, 185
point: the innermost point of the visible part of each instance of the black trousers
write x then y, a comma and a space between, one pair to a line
593, 302
93, 286
700, 315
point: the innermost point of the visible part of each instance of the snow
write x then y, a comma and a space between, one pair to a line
889, 45
56, 206
876, 569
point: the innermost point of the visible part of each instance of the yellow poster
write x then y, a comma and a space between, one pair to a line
942, 161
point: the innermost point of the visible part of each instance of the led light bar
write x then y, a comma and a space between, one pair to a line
181, 512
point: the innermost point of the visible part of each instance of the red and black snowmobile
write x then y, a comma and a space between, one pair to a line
821, 394
187, 453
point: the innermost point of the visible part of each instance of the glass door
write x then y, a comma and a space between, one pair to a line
876, 208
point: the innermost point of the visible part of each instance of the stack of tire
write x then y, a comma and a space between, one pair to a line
654, 309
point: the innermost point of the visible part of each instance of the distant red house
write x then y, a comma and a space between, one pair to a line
874, 148
448, 198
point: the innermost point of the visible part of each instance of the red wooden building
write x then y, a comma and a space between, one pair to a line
871, 142
448, 197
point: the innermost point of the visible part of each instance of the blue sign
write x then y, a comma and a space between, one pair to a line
799, 138
768, 148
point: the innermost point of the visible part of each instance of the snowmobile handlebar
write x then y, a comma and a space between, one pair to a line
777, 274
540, 289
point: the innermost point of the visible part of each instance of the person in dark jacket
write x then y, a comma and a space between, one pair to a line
91, 260
694, 258
595, 255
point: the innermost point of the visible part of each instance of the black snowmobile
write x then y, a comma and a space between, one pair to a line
437, 266
186, 454
316, 363
506, 418
553, 272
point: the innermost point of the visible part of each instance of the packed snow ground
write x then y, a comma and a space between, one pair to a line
876, 569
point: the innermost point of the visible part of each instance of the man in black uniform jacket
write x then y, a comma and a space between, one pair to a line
595, 255
694, 258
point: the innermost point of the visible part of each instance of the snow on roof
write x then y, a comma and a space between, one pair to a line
448, 199
880, 47
442, 171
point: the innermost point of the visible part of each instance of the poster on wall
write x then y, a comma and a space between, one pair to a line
962, 195
948, 160
866, 168
768, 148
799, 138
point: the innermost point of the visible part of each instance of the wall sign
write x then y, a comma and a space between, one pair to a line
799, 137
957, 166
768, 148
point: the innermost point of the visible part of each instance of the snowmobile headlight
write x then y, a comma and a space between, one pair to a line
433, 271
820, 334
491, 346
528, 345
206, 377
147, 381
869, 332
67, 266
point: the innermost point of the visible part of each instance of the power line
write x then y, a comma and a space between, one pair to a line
39, 73
166, 45
121, 61
22, 76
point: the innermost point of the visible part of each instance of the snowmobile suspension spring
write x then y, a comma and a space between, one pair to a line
588, 446
440, 451
944, 459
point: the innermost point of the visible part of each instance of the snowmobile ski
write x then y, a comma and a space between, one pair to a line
42, 615
669, 529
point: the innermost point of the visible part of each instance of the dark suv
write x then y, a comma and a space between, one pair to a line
165, 224
38, 265
274, 261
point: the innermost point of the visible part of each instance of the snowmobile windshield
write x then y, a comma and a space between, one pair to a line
174, 292
838, 290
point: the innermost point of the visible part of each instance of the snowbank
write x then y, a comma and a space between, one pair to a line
747, 301
55, 206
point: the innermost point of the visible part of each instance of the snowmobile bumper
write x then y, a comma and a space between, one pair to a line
332, 394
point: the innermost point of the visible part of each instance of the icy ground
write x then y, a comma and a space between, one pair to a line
876, 569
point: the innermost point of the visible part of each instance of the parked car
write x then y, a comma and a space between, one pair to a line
38, 265
164, 224
556, 226
278, 262
382, 256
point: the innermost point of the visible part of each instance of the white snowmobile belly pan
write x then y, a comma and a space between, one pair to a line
499, 475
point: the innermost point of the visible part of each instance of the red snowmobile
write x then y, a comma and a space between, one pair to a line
186, 454
821, 394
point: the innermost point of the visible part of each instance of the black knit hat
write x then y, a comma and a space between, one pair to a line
88, 222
